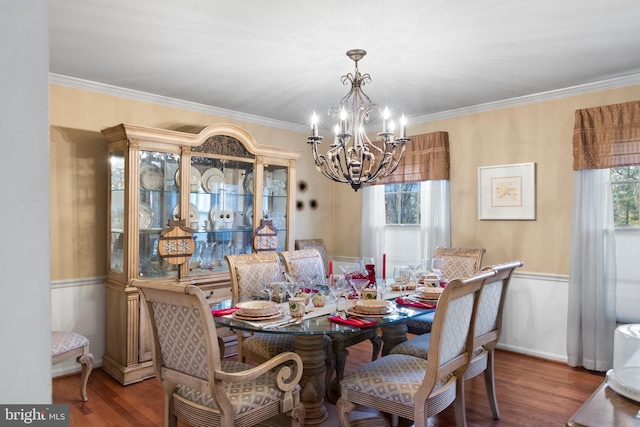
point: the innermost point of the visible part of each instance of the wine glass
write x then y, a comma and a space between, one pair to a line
401, 277
437, 266
358, 285
269, 288
337, 288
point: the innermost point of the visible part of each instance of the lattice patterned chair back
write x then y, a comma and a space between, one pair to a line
459, 262
487, 331
317, 244
200, 388
305, 264
248, 274
415, 388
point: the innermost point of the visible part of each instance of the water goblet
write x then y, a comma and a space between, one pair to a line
337, 288
270, 287
437, 266
401, 277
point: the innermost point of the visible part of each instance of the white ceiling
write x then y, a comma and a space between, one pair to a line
282, 59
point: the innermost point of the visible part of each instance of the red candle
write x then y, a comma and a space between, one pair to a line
330, 267
384, 266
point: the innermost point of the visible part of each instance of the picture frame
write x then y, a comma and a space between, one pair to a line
507, 192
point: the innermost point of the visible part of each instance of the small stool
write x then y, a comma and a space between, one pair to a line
65, 345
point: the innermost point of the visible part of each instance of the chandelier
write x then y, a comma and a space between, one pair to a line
352, 158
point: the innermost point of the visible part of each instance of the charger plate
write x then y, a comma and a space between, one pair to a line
353, 312
235, 315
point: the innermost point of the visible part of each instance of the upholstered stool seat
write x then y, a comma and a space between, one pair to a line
65, 345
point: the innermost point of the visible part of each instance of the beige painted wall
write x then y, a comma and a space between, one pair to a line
540, 132
79, 171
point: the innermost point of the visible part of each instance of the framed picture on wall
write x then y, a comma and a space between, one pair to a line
507, 192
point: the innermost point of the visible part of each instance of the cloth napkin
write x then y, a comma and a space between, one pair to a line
352, 322
223, 311
416, 304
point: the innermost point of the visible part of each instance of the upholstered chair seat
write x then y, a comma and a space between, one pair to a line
66, 345
416, 388
201, 389
486, 334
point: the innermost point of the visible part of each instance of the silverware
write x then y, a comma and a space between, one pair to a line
283, 323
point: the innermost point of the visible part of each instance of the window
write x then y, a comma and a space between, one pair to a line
402, 203
625, 182
624, 186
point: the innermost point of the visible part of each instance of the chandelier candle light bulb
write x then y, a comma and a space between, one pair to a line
352, 158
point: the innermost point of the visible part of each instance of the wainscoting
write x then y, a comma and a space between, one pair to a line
534, 323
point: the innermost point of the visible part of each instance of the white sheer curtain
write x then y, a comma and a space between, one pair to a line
591, 318
373, 223
435, 223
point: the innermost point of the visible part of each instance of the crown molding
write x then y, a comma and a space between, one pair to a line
76, 83
615, 83
136, 95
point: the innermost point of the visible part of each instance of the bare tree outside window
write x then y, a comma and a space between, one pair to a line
402, 203
625, 182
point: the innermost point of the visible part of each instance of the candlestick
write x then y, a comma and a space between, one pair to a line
384, 266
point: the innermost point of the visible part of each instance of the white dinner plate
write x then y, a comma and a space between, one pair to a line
151, 177
212, 180
248, 183
145, 215
195, 179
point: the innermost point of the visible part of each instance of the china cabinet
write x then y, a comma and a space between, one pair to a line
220, 182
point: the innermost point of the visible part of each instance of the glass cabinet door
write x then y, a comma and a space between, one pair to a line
157, 203
274, 200
221, 211
116, 216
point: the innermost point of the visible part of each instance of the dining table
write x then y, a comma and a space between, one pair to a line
308, 335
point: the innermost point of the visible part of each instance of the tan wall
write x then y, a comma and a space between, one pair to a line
79, 171
540, 132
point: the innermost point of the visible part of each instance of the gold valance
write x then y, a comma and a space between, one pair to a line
426, 158
607, 137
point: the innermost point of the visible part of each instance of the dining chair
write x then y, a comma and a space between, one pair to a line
486, 335
415, 388
309, 262
249, 272
199, 387
317, 244
458, 262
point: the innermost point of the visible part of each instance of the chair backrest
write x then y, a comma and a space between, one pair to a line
304, 264
317, 244
249, 272
459, 262
494, 292
451, 343
185, 343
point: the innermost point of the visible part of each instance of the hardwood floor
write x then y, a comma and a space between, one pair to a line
531, 392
